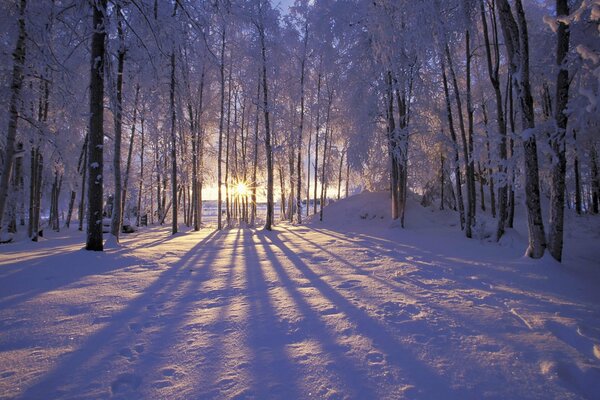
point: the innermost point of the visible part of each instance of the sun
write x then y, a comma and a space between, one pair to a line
241, 189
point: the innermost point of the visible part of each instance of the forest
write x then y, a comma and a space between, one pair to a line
321, 167
450, 100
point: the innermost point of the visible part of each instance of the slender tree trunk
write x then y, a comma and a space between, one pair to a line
481, 191
469, 215
558, 143
255, 161
471, 165
493, 64
328, 133
129, 153
173, 147
13, 109
459, 197
71, 206
221, 121
227, 144
442, 181
340, 176
578, 197
301, 132
37, 195
141, 181
392, 147
317, 142
96, 132
83, 172
268, 149
595, 178
489, 170
117, 211
347, 174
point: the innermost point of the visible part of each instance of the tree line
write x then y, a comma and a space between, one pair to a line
474, 104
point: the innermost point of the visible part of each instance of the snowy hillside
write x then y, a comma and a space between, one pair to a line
352, 309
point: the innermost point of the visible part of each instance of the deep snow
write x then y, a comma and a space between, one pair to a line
353, 307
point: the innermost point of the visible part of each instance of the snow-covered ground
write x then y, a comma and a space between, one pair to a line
352, 307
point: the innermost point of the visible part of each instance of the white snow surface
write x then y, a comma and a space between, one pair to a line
354, 307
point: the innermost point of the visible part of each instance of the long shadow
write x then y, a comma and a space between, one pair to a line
219, 329
274, 374
175, 328
434, 266
344, 366
428, 383
92, 355
53, 271
342, 260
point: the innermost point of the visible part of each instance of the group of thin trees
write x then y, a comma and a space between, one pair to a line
476, 104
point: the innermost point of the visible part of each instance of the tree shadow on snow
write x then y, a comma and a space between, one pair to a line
76, 374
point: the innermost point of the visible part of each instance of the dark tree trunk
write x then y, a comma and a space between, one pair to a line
173, 147
558, 142
96, 133
268, 149
13, 109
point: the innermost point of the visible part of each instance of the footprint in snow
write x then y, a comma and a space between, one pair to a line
7, 374
135, 327
127, 353
162, 384
375, 358
395, 312
349, 284
125, 383
329, 311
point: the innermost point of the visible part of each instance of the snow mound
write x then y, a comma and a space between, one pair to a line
373, 209
362, 209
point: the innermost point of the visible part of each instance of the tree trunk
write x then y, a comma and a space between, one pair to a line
141, 181
255, 161
221, 121
459, 197
347, 174
493, 64
516, 41
96, 132
317, 142
71, 205
578, 197
558, 143
461, 121
115, 227
301, 131
227, 144
481, 191
129, 153
173, 147
340, 175
268, 149
595, 178
13, 109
